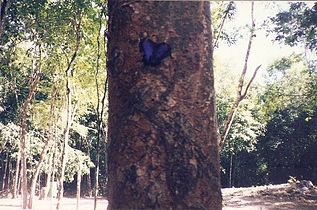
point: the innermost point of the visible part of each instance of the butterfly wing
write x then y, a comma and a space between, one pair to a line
161, 51
147, 46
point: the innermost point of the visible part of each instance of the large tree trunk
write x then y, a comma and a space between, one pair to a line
163, 150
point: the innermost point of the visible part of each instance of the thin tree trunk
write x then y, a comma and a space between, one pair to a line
99, 117
162, 149
37, 172
52, 136
240, 93
88, 176
226, 12
6, 165
45, 148
89, 184
52, 188
70, 113
49, 174
17, 172
4, 5
33, 85
34, 81
20, 179
3, 175
65, 144
10, 176
23, 149
230, 171
78, 183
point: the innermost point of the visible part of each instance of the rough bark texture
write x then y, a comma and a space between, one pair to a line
163, 150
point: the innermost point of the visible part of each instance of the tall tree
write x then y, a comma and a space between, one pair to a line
100, 108
241, 91
70, 110
34, 79
46, 147
163, 149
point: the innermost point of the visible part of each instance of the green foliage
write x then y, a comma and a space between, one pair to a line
240, 145
49, 27
297, 25
288, 145
77, 160
221, 12
289, 84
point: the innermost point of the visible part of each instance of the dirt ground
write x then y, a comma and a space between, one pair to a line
272, 197
67, 204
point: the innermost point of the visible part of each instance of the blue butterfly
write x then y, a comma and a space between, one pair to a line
153, 53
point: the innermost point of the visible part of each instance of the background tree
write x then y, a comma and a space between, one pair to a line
50, 21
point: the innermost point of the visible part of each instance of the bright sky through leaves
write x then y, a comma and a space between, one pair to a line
263, 51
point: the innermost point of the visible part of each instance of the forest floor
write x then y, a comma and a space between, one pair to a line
300, 196
67, 204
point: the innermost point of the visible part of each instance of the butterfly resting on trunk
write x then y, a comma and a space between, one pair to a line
153, 53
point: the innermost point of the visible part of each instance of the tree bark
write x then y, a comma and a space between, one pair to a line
163, 149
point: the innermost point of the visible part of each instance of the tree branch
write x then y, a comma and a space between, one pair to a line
222, 23
240, 96
250, 82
